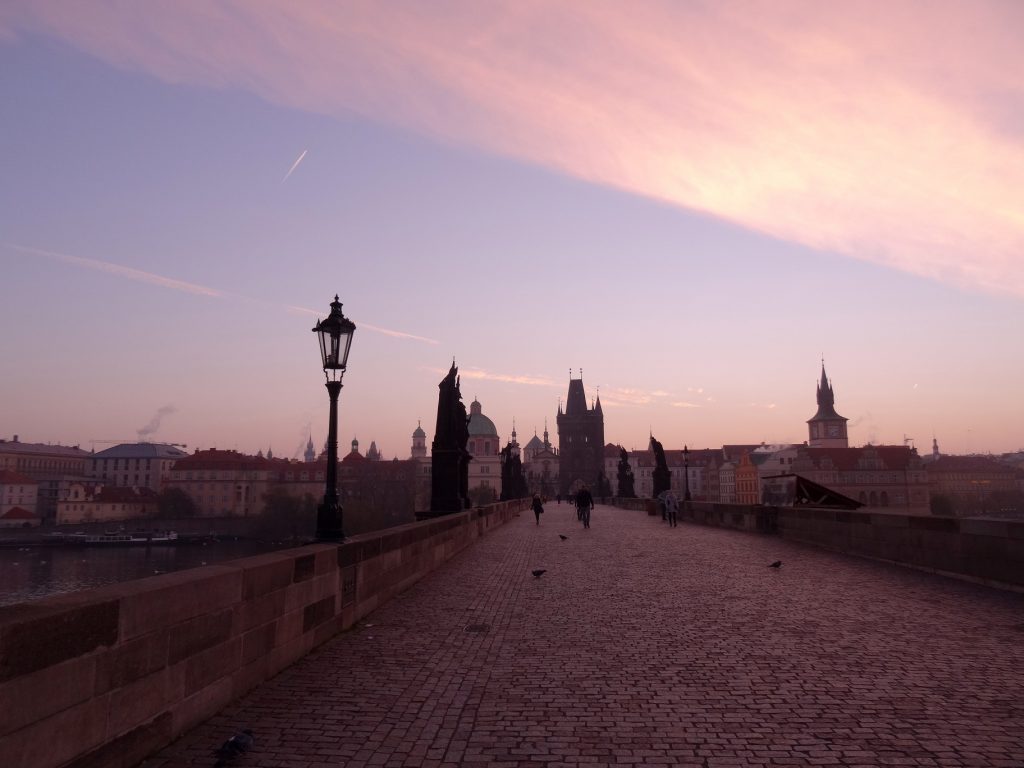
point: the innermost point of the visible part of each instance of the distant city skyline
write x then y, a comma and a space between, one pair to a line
694, 204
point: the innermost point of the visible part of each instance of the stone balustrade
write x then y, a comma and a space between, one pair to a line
987, 551
104, 677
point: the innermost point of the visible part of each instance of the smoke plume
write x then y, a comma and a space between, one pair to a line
154, 423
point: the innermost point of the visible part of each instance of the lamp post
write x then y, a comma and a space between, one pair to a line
335, 335
686, 474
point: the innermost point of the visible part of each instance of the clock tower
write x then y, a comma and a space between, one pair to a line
827, 428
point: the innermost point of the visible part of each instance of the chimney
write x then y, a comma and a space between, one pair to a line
15, 438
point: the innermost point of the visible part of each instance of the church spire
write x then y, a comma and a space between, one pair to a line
826, 396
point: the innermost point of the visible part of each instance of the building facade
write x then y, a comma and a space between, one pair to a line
134, 465
973, 485
19, 495
88, 502
541, 466
880, 477
48, 465
485, 449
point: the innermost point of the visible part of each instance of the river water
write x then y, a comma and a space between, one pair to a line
31, 573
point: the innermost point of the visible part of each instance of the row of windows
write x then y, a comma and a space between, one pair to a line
62, 464
117, 463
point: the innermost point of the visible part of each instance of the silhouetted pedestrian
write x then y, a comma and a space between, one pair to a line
672, 509
584, 504
538, 508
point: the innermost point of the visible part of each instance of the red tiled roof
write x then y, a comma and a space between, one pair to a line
10, 477
218, 459
968, 464
17, 513
846, 459
353, 457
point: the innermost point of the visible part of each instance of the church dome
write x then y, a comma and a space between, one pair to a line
419, 432
480, 425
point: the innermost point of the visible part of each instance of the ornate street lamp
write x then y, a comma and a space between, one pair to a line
686, 473
335, 334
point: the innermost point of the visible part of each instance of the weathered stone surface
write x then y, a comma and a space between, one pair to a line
218, 662
56, 635
163, 601
317, 613
130, 661
33, 697
58, 739
128, 750
192, 636
304, 568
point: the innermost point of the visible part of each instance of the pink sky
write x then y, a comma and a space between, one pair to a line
866, 135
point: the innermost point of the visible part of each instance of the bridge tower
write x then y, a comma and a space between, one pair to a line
580, 439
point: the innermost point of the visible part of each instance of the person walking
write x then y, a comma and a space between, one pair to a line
538, 508
584, 504
672, 509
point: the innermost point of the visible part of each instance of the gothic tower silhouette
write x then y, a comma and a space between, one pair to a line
580, 439
827, 428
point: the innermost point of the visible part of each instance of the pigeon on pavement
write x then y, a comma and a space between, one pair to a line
776, 564
539, 572
234, 747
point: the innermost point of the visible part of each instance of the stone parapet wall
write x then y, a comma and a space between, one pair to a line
989, 551
985, 550
104, 677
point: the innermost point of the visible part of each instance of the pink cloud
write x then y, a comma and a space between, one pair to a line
881, 131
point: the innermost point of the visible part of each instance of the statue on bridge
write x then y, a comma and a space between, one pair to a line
513, 484
661, 476
449, 460
625, 476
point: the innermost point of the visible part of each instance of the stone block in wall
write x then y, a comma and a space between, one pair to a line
195, 635
36, 636
201, 705
205, 668
267, 573
250, 675
142, 700
57, 739
949, 525
304, 567
326, 558
980, 527
298, 596
163, 601
131, 660
317, 613
45, 692
129, 749
260, 610
258, 642
289, 626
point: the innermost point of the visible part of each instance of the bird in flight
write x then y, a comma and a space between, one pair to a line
562, 537
776, 564
539, 572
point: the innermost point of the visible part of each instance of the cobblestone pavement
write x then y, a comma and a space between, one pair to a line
644, 645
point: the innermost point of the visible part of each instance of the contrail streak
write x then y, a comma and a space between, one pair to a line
180, 285
122, 271
367, 326
294, 166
